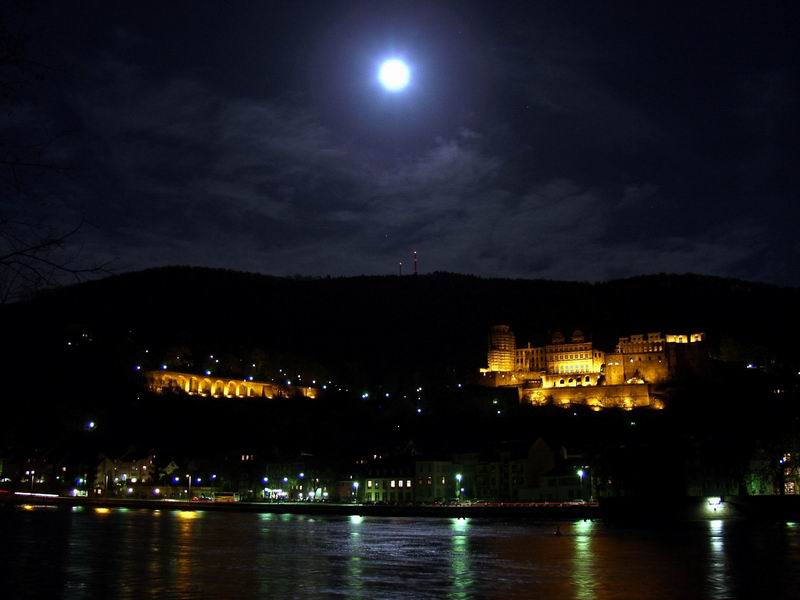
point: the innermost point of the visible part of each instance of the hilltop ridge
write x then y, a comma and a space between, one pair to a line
425, 323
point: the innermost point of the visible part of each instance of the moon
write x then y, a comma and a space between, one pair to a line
394, 75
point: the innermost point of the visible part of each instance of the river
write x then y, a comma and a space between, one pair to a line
143, 553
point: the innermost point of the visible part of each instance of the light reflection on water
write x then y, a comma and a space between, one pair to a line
189, 554
583, 561
717, 566
460, 560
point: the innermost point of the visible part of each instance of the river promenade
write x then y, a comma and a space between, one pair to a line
572, 510
773, 508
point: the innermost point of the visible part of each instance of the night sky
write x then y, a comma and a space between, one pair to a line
564, 140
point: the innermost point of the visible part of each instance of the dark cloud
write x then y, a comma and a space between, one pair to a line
582, 155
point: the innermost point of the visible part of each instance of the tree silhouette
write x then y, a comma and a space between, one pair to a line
35, 252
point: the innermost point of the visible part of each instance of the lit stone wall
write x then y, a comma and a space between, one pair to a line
680, 338
615, 368
651, 367
531, 359
192, 384
638, 343
652, 357
571, 358
569, 380
508, 379
502, 347
597, 397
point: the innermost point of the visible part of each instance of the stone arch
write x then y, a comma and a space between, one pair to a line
218, 388
193, 385
241, 390
230, 389
204, 387
182, 383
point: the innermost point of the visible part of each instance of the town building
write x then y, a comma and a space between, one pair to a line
536, 473
112, 474
389, 482
435, 481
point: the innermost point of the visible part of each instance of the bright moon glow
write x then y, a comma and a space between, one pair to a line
394, 75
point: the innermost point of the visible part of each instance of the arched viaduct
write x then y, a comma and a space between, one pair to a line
219, 387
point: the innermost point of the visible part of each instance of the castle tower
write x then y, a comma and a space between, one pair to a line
502, 346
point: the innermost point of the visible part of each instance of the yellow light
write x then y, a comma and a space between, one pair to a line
102, 511
187, 514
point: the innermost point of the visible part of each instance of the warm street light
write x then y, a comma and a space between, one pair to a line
459, 489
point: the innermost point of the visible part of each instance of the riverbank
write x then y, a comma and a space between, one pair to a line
550, 511
772, 508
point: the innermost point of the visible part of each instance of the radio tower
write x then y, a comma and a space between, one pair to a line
415, 262
401, 268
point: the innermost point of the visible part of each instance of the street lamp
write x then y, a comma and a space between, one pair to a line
581, 473
355, 490
189, 477
459, 477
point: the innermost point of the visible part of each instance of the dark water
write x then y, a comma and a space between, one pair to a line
170, 554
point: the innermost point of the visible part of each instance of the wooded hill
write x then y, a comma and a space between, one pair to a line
389, 329
70, 354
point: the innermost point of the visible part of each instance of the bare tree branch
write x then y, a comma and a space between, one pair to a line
33, 252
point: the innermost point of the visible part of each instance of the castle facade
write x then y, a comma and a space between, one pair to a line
574, 371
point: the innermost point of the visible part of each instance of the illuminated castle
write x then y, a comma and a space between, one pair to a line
574, 371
